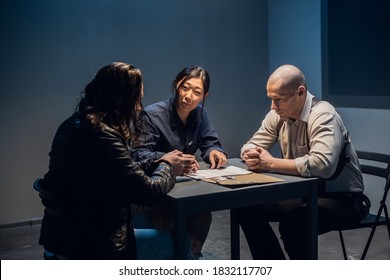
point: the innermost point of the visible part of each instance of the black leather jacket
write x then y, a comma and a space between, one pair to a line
89, 189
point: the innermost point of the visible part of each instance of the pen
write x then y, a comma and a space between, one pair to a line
187, 147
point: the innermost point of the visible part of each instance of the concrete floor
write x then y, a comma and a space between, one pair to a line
329, 246
22, 243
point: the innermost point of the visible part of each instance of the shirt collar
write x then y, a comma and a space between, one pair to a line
304, 116
175, 119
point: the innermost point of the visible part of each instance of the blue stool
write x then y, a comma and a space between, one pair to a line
47, 255
154, 244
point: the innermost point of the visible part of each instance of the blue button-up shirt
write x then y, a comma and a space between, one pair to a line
164, 132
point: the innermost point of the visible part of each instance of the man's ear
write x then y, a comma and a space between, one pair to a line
301, 90
207, 94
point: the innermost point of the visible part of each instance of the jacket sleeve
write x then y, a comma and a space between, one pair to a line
139, 183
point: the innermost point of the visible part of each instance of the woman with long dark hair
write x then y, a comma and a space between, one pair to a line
92, 180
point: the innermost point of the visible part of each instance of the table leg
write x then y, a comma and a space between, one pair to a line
234, 235
312, 221
180, 233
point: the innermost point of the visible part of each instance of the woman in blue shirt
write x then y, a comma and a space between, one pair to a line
180, 126
182, 123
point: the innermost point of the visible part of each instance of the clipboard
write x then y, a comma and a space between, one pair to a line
243, 180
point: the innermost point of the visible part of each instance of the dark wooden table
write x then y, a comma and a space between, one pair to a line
194, 197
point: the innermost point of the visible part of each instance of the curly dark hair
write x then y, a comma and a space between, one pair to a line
113, 97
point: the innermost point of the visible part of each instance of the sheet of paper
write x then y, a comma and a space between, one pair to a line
221, 172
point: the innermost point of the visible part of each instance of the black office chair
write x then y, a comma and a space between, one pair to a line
372, 165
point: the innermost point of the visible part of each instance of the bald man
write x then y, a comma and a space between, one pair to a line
314, 143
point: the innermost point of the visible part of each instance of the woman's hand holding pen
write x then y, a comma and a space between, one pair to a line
190, 163
174, 158
181, 163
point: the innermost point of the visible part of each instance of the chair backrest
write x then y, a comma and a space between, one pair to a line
37, 185
373, 168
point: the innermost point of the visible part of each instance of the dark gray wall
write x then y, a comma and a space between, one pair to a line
49, 50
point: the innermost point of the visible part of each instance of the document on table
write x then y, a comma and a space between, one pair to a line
221, 172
